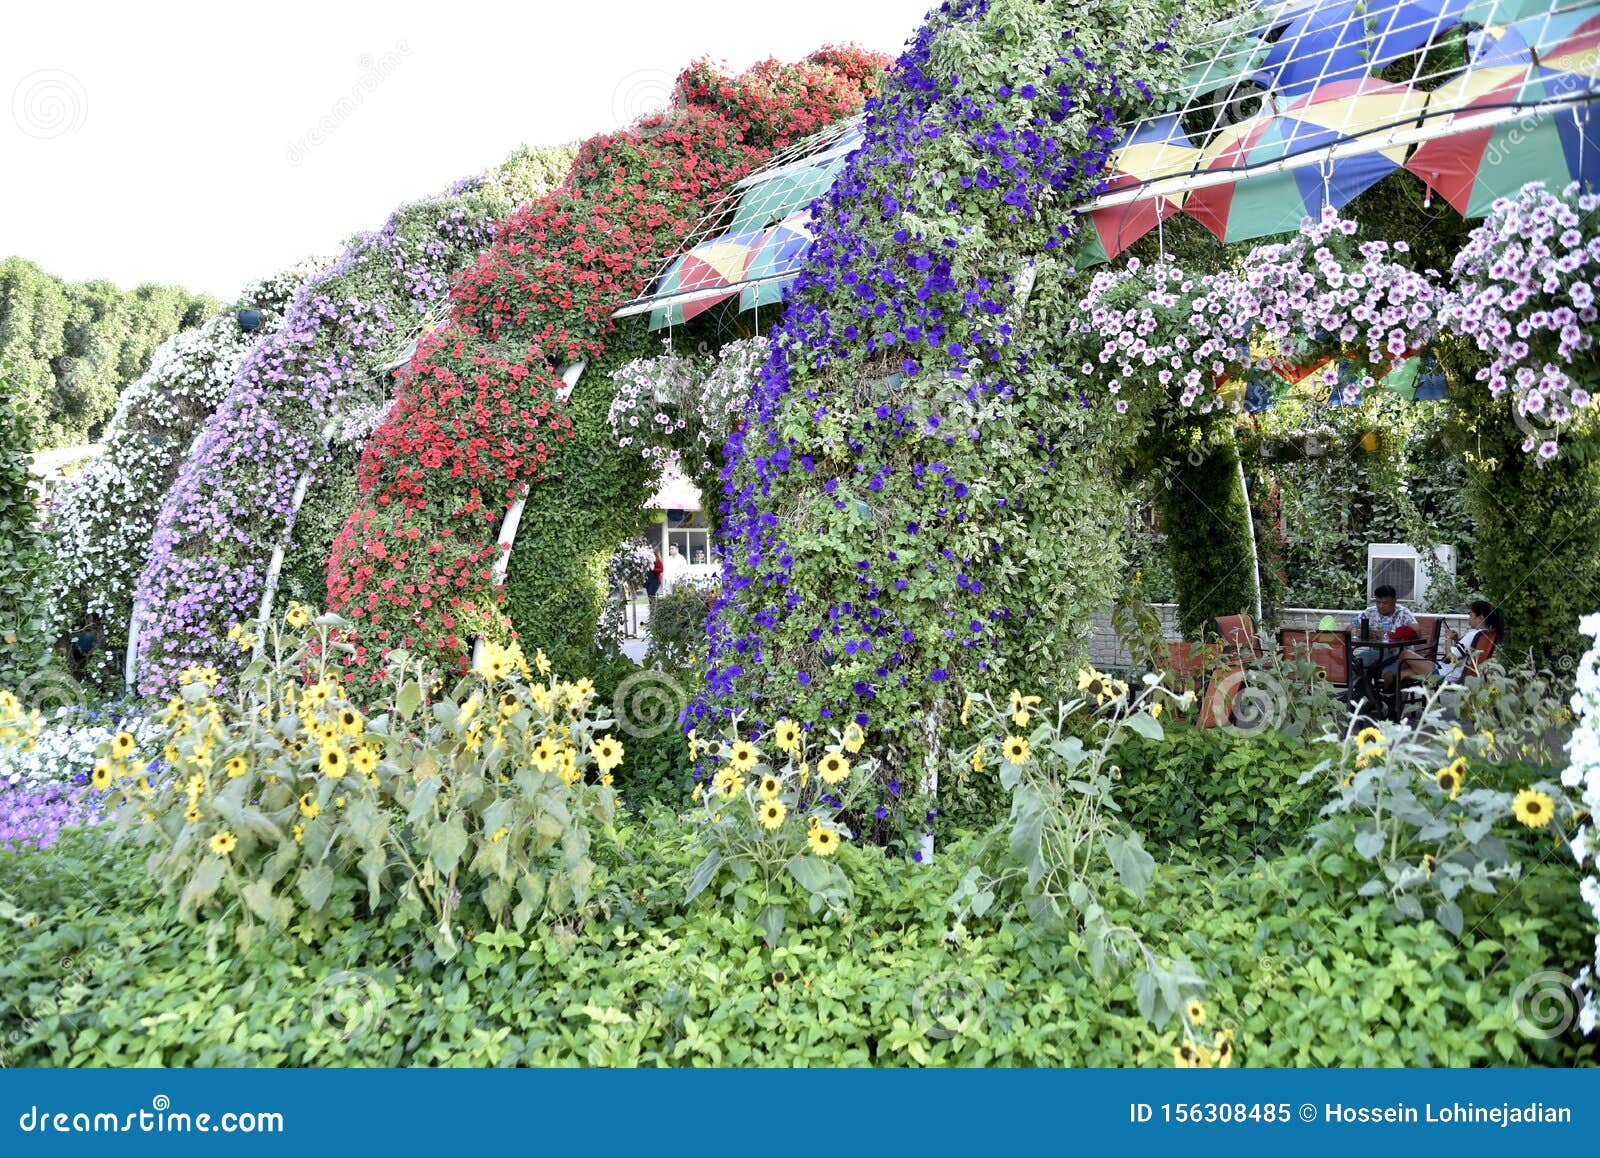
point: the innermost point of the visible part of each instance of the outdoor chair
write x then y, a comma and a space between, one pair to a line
1239, 636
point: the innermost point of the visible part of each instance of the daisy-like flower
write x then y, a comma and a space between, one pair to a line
298, 832
966, 708
236, 767
364, 760
1196, 1012
853, 738
332, 763
509, 704
1020, 715
223, 843
1368, 737
771, 813
694, 745
823, 841
833, 768
298, 616
192, 814
744, 756
541, 662
1188, 1056
1533, 808
568, 770
769, 786
786, 735
546, 755
1015, 750
1222, 1046
122, 745
728, 782
1449, 780
100, 778
977, 760
1429, 863
350, 721
309, 808
607, 753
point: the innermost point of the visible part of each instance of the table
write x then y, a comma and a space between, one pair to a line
1360, 678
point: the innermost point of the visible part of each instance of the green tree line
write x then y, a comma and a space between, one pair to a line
69, 348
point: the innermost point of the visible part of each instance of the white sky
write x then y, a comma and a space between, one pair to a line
173, 142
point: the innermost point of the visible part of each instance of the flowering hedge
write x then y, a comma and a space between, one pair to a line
481, 414
22, 563
101, 521
233, 502
912, 511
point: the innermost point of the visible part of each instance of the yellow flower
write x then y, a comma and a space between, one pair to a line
309, 808
192, 813
1016, 750
581, 690
499, 834
770, 786
977, 760
607, 753
298, 616
332, 763
298, 832
786, 734
694, 746
224, 843
833, 768
1155, 711
364, 759
853, 738
1188, 1056
101, 776
744, 756
1223, 1044
350, 721
1429, 863
823, 841
569, 771
772, 813
1449, 778
1019, 708
122, 745
236, 767
966, 708
1369, 736
1196, 1012
509, 703
805, 774
338, 801
541, 662
1533, 808
728, 782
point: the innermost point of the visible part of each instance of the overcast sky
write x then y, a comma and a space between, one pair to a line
184, 143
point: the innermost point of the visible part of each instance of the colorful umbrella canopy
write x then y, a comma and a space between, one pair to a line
1347, 39
1472, 168
718, 263
1154, 149
778, 256
1275, 202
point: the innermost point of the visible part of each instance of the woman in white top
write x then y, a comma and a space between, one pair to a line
1460, 654
676, 566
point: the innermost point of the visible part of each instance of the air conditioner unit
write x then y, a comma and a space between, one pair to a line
1406, 569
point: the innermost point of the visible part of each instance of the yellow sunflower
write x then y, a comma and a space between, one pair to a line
1368, 737
350, 721
364, 760
728, 782
786, 735
569, 771
769, 787
1223, 1045
1429, 863
607, 753
546, 755
309, 808
1016, 750
771, 813
823, 841
1533, 808
298, 832
1449, 780
223, 843
833, 768
744, 756
122, 745
101, 776
192, 813
1019, 708
298, 616
853, 738
1188, 1056
332, 763
236, 767
977, 760
1196, 1012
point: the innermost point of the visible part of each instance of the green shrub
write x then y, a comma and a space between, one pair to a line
1216, 794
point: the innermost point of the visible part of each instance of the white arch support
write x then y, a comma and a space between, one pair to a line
264, 614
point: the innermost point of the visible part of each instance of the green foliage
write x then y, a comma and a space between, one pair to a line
1216, 794
555, 584
22, 563
72, 347
1205, 522
678, 629
285, 802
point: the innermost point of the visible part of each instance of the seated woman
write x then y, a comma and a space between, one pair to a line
1460, 654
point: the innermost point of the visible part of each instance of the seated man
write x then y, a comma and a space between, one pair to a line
1384, 617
